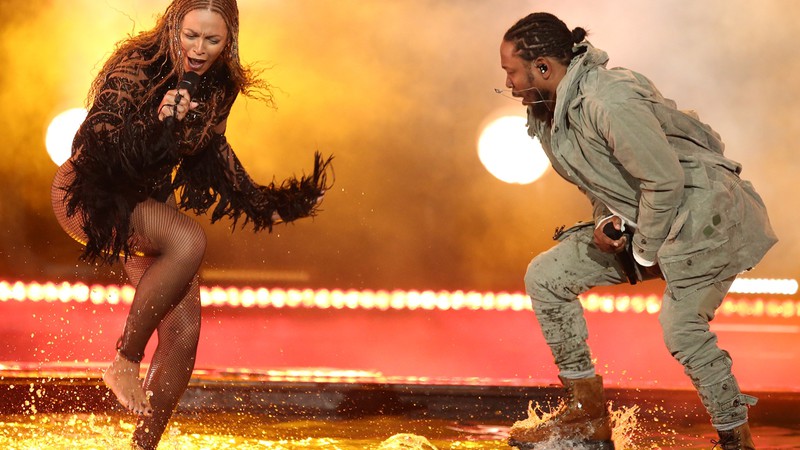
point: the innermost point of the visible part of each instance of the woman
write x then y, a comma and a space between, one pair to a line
143, 142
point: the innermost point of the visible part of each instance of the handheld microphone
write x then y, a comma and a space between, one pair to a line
190, 81
625, 258
610, 231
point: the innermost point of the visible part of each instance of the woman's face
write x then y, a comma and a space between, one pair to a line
203, 38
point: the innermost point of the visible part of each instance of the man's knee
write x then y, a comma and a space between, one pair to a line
678, 342
537, 280
678, 335
693, 345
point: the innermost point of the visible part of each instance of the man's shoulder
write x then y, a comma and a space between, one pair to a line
606, 88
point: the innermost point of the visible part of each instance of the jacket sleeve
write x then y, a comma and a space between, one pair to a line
599, 209
637, 141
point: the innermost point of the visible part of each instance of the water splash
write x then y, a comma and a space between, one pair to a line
405, 441
626, 427
538, 416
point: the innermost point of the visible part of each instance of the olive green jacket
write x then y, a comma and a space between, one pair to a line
631, 151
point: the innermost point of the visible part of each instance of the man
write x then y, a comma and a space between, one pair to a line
659, 175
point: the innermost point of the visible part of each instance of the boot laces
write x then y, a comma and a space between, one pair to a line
571, 400
727, 442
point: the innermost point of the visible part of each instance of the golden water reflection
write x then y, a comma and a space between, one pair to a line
222, 431
230, 431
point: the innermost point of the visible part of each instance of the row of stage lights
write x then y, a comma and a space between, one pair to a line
398, 300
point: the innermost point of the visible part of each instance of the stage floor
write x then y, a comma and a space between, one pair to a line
353, 375
66, 406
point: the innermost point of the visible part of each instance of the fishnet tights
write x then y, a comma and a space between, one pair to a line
169, 247
173, 359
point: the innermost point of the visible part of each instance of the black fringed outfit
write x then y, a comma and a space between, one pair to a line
122, 155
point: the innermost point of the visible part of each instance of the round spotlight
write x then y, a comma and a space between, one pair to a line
508, 153
61, 132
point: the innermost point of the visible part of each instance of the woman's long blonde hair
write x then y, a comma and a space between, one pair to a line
163, 42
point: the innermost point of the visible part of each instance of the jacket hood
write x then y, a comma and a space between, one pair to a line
588, 59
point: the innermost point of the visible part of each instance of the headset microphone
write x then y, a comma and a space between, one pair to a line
500, 91
503, 93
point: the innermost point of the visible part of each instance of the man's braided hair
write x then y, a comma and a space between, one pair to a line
543, 34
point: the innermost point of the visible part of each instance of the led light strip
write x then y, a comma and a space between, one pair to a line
377, 300
764, 286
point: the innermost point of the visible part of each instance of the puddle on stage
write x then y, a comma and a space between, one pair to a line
70, 408
244, 431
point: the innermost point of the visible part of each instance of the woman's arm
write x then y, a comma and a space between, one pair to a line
216, 176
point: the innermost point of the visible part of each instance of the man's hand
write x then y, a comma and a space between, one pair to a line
606, 243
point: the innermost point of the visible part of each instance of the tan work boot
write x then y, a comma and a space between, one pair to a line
738, 438
583, 418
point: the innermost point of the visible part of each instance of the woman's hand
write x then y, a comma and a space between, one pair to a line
176, 103
607, 244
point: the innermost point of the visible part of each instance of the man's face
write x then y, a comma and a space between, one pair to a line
522, 82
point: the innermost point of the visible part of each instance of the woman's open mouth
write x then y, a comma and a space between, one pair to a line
195, 64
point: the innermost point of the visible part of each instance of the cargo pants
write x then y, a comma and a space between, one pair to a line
556, 278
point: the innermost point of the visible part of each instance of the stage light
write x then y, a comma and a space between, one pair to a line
235, 297
60, 133
764, 286
508, 153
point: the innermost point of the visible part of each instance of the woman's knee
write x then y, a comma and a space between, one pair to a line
195, 238
185, 240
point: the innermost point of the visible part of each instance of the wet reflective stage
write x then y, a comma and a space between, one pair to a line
237, 431
315, 409
365, 370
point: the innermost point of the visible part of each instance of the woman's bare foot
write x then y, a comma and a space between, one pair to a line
122, 377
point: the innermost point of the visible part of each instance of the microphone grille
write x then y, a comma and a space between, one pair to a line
189, 82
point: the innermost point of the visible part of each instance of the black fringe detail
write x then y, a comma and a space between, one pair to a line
111, 179
204, 180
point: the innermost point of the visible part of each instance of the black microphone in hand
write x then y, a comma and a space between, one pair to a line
625, 258
190, 81
610, 231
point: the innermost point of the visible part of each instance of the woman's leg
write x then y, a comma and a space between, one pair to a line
173, 361
174, 246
